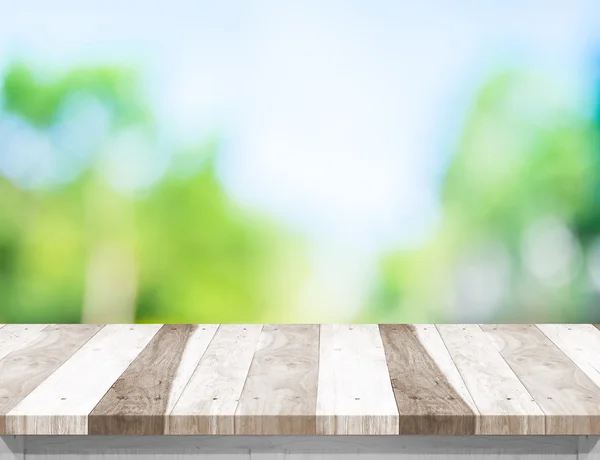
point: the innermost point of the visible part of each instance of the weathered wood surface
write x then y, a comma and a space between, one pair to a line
280, 393
300, 379
568, 397
354, 394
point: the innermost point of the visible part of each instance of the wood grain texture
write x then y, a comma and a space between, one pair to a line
300, 379
427, 402
435, 347
280, 394
22, 370
568, 397
139, 401
61, 404
504, 404
580, 342
14, 336
209, 401
355, 394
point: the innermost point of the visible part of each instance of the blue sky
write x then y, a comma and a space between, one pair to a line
338, 116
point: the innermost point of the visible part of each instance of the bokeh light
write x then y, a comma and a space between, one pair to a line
270, 162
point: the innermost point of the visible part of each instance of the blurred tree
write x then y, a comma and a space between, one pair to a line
525, 154
85, 249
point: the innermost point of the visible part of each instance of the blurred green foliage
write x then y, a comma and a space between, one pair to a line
80, 251
525, 154
39, 101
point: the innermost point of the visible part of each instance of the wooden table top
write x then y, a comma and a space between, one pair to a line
300, 379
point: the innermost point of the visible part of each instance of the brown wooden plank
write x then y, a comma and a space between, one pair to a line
138, 402
22, 370
568, 397
280, 393
427, 402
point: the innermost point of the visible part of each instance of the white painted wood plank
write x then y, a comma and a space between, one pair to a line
588, 448
61, 403
580, 342
354, 393
15, 336
194, 350
11, 448
208, 402
504, 404
432, 342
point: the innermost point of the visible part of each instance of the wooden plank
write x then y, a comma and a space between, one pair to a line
138, 402
280, 394
505, 406
61, 404
432, 342
22, 370
580, 342
427, 402
569, 398
14, 336
354, 393
208, 403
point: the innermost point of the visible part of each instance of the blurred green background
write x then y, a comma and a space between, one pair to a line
443, 173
